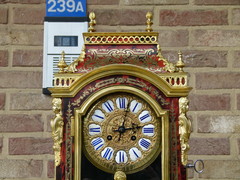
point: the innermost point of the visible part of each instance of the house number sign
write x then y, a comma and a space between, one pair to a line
66, 8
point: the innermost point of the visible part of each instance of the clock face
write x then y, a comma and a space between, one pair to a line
121, 132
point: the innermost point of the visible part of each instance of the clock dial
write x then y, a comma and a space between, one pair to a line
121, 131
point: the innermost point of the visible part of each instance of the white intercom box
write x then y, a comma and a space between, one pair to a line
64, 23
58, 37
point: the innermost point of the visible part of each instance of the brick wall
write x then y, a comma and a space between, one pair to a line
207, 32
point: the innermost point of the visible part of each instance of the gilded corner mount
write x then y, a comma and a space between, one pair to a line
57, 129
184, 129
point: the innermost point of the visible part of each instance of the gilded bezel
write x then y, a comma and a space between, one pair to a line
80, 113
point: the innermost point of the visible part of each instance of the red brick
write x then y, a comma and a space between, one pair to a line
3, 58
1, 144
155, 2
238, 146
218, 124
2, 101
115, 17
236, 16
198, 58
11, 168
3, 15
28, 15
238, 101
28, 58
209, 102
21, 123
218, 80
236, 59
108, 16
23, 1
133, 17
173, 38
193, 17
221, 169
5, 39
18, 79
27, 37
30, 101
30, 146
219, 38
103, 2
217, 2
209, 146
50, 169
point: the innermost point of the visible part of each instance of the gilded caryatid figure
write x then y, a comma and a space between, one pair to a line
57, 128
120, 175
184, 129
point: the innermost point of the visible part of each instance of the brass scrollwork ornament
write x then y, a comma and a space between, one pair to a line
184, 129
170, 67
57, 129
72, 67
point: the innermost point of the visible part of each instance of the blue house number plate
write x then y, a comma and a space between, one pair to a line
66, 8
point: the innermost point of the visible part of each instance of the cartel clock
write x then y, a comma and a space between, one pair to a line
121, 131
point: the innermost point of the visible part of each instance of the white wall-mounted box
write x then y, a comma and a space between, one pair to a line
58, 37
64, 24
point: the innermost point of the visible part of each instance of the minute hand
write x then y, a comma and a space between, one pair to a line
125, 115
134, 127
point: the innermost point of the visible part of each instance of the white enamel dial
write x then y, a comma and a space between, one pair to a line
121, 131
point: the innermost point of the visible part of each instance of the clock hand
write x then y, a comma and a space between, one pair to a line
120, 135
121, 129
125, 115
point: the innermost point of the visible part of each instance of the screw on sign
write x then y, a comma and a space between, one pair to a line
66, 8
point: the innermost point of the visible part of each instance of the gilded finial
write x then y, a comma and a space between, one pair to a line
92, 22
62, 64
120, 175
149, 22
180, 64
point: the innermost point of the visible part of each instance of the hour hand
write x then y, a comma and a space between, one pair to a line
115, 130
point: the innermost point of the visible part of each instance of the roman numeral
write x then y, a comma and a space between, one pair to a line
135, 153
144, 143
135, 106
121, 157
148, 130
107, 153
108, 106
121, 102
98, 129
144, 117
97, 143
98, 116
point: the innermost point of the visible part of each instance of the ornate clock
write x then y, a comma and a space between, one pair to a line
121, 132
120, 110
